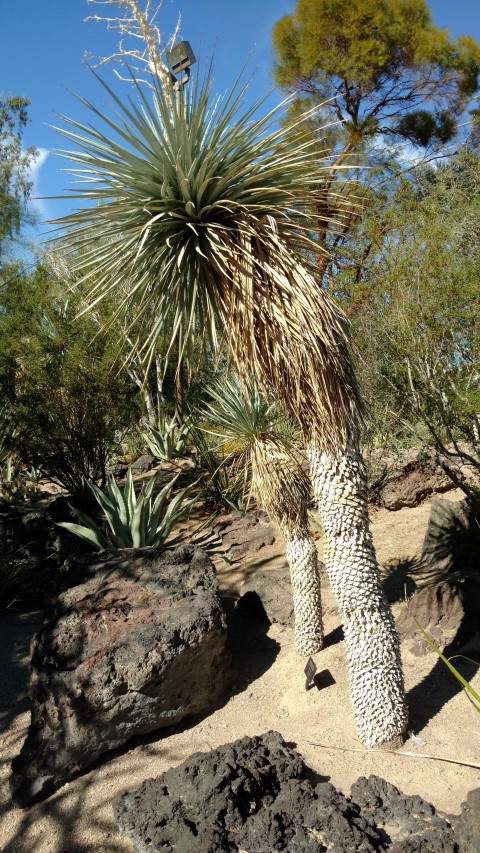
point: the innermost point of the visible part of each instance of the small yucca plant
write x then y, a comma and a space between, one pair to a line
224, 485
133, 521
242, 419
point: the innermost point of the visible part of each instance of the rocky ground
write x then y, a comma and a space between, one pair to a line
440, 762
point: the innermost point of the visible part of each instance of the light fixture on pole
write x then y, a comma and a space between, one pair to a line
180, 58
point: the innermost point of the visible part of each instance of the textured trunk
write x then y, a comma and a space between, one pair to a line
372, 646
307, 602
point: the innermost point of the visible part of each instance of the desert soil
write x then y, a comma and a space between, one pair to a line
269, 694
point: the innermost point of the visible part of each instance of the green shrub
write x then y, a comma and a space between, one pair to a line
65, 400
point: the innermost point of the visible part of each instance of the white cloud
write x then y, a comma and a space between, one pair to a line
37, 202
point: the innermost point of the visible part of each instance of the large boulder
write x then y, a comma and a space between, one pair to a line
242, 533
410, 824
413, 483
442, 611
257, 794
447, 606
271, 591
467, 825
138, 645
452, 540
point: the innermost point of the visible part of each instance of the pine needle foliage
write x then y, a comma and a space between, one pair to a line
203, 217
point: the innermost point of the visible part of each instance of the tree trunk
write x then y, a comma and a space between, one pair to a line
307, 602
180, 394
372, 646
283, 489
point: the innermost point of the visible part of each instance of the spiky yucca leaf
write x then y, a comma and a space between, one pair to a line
272, 462
203, 218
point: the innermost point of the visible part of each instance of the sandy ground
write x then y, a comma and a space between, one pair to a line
269, 694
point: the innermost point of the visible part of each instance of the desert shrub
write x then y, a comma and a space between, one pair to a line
68, 404
414, 300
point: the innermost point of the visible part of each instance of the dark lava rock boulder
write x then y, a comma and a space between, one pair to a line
413, 483
144, 463
447, 606
409, 823
257, 795
273, 590
441, 611
452, 540
242, 533
137, 646
254, 795
467, 825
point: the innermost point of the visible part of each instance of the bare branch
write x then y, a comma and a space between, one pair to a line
138, 24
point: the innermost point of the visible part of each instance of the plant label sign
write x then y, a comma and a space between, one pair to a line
310, 671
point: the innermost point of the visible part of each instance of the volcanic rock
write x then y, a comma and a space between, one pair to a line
417, 480
467, 826
257, 795
144, 463
242, 533
137, 646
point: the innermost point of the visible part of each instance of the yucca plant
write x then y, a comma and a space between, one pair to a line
205, 225
224, 486
133, 521
167, 440
243, 419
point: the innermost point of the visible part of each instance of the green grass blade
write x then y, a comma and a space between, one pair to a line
472, 694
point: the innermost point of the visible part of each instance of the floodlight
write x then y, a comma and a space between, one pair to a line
180, 57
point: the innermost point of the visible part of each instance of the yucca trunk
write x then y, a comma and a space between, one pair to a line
282, 487
307, 602
372, 645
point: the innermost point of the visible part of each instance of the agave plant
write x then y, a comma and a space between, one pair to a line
242, 418
134, 522
204, 225
167, 440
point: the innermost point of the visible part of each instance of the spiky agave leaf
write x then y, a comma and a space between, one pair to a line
203, 225
134, 521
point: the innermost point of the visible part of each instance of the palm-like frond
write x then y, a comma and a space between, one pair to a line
203, 218
242, 417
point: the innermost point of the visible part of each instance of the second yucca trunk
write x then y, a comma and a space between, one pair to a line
302, 559
372, 646
283, 489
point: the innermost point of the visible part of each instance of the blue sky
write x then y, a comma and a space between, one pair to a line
42, 43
